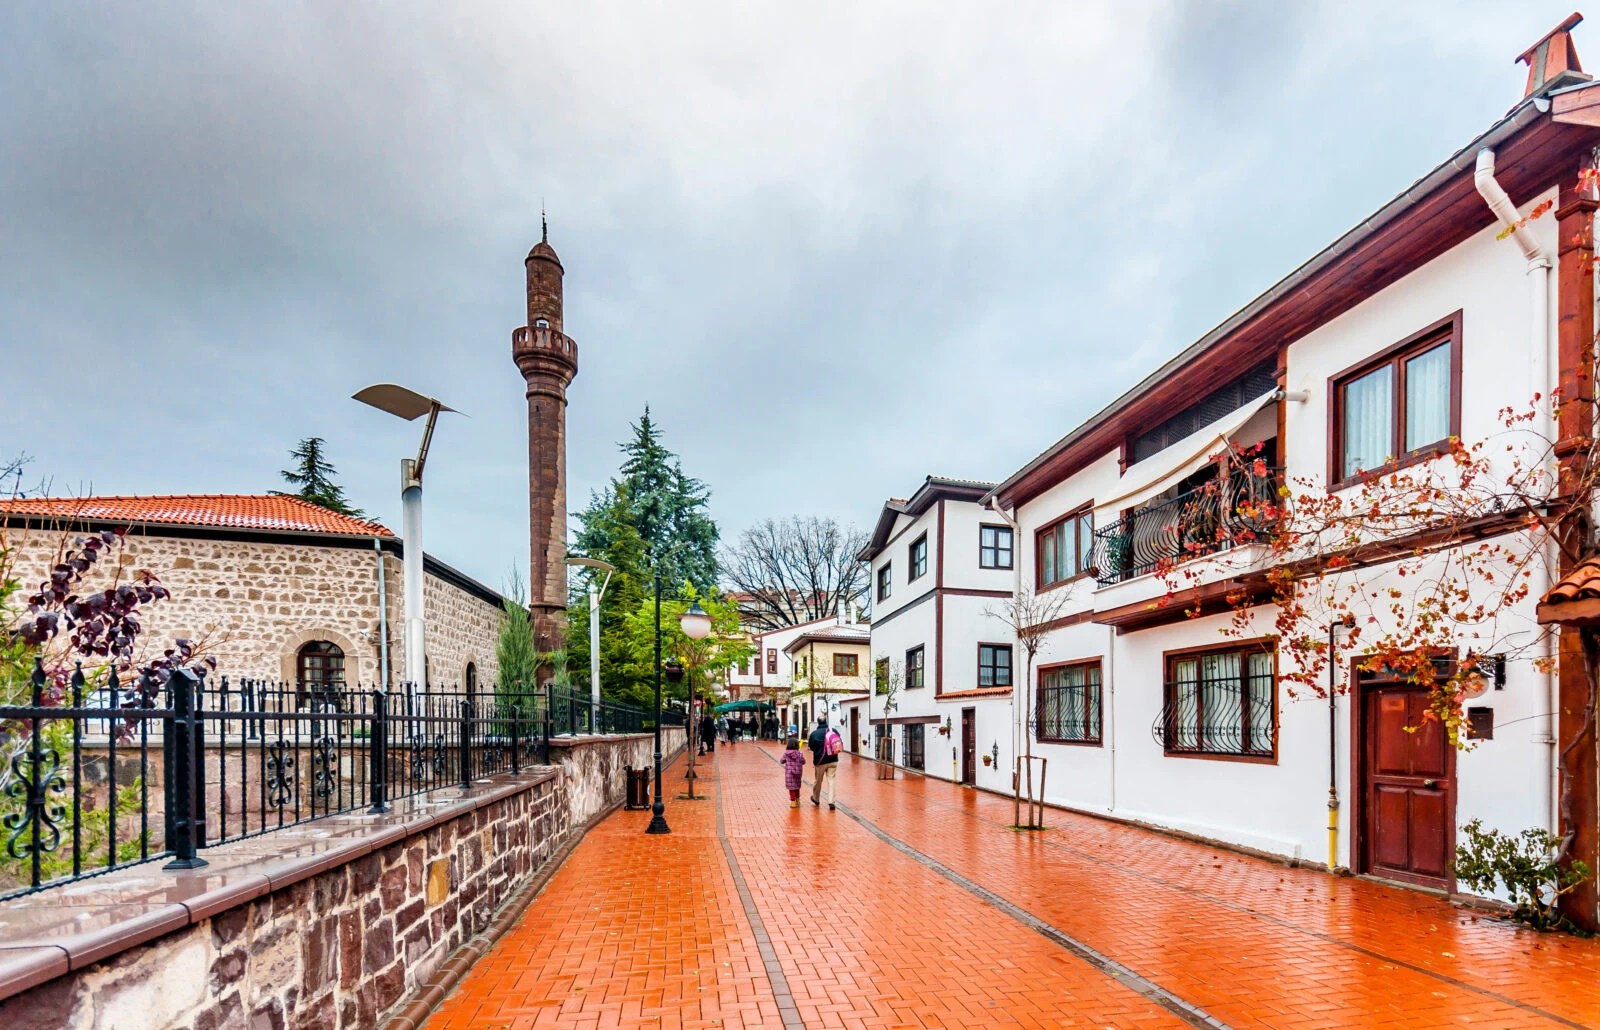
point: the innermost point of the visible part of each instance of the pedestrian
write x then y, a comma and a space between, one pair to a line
794, 764
825, 745
708, 732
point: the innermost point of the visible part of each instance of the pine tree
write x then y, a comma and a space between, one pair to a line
313, 474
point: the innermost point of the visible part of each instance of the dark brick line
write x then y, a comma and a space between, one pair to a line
769, 955
1189, 1013
1264, 916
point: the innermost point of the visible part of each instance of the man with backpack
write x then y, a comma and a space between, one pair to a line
825, 745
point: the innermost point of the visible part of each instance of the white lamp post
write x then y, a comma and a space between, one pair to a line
594, 623
410, 405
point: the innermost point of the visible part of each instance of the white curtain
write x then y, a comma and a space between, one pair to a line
1261, 688
1219, 696
1428, 397
1368, 420
1186, 700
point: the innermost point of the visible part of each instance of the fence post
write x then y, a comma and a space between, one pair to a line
378, 734
516, 738
465, 747
549, 704
185, 774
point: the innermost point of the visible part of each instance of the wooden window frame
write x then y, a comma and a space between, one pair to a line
772, 661
852, 661
1038, 552
922, 667
1098, 740
920, 732
1011, 665
1396, 355
881, 672
912, 572
1267, 644
1011, 548
885, 580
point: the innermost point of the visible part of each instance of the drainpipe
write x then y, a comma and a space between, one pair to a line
1016, 596
383, 619
1333, 750
1538, 270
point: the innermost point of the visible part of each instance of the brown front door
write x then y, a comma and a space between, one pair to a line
969, 745
1408, 791
855, 731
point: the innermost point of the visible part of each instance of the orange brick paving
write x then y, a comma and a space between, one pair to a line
1251, 942
649, 931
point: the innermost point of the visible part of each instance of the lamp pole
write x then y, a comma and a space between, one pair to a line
658, 817
594, 629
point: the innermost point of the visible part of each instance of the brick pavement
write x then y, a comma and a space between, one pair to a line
650, 931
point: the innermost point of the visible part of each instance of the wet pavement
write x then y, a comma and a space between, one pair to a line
915, 905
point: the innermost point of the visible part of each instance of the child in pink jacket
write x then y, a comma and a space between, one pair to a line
794, 763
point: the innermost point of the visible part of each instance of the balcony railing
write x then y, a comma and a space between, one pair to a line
1231, 510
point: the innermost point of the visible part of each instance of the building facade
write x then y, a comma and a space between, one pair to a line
275, 588
1413, 330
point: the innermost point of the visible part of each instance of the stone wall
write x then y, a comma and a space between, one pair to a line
338, 948
253, 604
593, 767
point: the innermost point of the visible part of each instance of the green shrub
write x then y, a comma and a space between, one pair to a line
1526, 863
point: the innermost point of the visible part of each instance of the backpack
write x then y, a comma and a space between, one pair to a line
832, 744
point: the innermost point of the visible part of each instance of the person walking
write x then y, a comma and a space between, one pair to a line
825, 745
794, 764
708, 732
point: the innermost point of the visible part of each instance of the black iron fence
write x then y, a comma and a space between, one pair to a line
107, 775
1236, 508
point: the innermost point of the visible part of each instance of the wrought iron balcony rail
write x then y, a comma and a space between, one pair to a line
1231, 510
107, 776
1226, 715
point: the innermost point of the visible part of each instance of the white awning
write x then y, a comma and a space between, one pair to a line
1159, 471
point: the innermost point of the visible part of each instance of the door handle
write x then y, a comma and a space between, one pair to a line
1430, 783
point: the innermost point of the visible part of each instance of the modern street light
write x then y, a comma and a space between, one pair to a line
410, 405
594, 626
696, 625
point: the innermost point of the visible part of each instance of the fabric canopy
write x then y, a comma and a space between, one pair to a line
746, 706
1154, 474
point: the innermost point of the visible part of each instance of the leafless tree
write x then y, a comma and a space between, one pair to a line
795, 570
1030, 615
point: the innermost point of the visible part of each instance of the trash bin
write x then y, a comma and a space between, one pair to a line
638, 788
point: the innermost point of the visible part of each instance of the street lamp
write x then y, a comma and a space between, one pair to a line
410, 405
696, 625
594, 626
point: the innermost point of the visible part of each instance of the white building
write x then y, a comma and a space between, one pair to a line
1414, 328
805, 669
943, 568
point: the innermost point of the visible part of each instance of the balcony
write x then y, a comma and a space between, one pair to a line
1236, 508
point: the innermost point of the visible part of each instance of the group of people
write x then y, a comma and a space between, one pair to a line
825, 746
718, 727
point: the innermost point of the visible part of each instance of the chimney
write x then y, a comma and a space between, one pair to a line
1553, 61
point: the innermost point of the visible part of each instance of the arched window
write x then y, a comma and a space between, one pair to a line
319, 668
472, 679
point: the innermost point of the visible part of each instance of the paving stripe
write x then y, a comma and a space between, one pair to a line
1191, 1014
769, 956
1256, 913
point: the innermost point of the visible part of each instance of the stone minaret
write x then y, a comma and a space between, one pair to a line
548, 360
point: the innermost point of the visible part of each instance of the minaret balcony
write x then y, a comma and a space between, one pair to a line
537, 348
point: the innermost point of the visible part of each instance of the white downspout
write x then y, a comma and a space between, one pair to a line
1542, 383
383, 619
1016, 598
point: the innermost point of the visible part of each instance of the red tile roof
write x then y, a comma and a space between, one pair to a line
1582, 583
228, 511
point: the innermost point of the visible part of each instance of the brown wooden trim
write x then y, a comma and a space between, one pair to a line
1579, 612
1098, 661
924, 649
1267, 643
978, 658
980, 692
1257, 645
938, 560
907, 720
938, 642
965, 592
996, 525
1039, 585
1395, 354
1069, 620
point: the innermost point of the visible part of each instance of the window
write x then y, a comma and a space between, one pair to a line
914, 748
472, 679
845, 665
744, 666
883, 676
1221, 702
914, 668
994, 665
1069, 703
994, 547
918, 557
885, 582
1401, 406
1064, 548
772, 661
319, 667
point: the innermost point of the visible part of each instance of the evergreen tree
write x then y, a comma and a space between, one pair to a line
313, 474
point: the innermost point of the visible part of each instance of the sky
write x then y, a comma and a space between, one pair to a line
835, 247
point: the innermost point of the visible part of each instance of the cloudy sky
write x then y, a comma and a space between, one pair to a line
834, 247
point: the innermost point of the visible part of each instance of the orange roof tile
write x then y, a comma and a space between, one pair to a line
228, 511
1582, 583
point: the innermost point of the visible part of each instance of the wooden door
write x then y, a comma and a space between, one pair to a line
969, 745
855, 731
1408, 794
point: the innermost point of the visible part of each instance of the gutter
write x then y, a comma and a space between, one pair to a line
1520, 117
